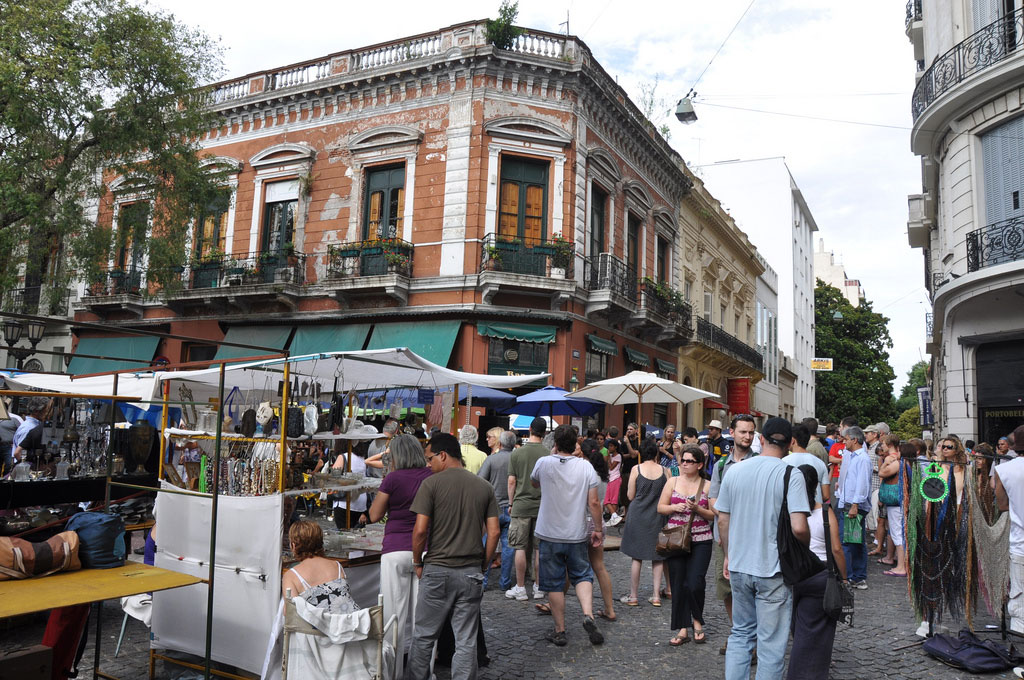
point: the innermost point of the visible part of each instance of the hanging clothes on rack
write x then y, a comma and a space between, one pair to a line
991, 545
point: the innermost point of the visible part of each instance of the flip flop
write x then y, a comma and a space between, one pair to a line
887, 563
699, 638
628, 601
892, 572
542, 608
602, 615
654, 601
677, 641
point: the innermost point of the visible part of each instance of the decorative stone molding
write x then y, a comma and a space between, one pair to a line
281, 154
528, 129
384, 137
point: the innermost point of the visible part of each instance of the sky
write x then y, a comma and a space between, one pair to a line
825, 84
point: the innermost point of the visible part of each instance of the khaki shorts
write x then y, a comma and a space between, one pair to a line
520, 532
723, 588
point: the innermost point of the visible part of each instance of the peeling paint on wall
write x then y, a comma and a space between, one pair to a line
332, 206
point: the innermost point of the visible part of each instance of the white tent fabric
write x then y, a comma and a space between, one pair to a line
395, 367
139, 385
642, 387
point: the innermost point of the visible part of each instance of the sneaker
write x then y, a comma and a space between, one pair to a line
538, 594
592, 632
517, 593
859, 585
614, 520
556, 637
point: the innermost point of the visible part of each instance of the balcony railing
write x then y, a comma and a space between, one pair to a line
986, 47
996, 243
116, 281
607, 272
669, 306
254, 269
711, 335
370, 258
45, 300
913, 11
530, 256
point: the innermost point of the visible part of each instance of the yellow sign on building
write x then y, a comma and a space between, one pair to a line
819, 364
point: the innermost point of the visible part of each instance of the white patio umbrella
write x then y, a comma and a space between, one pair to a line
638, 387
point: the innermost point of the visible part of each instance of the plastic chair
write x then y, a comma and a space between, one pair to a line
379, 631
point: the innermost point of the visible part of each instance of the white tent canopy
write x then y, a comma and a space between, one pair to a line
364, 370
640, 387
139, 385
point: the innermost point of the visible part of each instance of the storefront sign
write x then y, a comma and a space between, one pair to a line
739, 395
924, 402
821, 364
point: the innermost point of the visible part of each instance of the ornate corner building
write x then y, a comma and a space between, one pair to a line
968, 112
495, 210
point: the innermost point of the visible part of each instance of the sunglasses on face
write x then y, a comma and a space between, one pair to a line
949, 447
689, 460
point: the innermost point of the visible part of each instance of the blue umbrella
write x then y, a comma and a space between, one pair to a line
554, 401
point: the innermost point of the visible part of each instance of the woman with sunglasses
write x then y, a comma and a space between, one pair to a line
682, 497
951, 450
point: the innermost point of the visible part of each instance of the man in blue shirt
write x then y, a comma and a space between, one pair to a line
854, 495
748, 508
28, 436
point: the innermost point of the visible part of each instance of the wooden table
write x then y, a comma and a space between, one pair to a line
87, 586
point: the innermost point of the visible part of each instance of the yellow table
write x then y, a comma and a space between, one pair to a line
86, 585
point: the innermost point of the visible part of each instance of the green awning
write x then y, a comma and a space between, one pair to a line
602, 346
275, 337
432, 340
140, 348
334, 338
524, 332
666, 367
638, 358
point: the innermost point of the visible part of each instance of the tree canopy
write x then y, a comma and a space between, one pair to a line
91, 90
860, 383
917, 376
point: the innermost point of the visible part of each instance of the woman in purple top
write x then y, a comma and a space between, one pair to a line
398, 583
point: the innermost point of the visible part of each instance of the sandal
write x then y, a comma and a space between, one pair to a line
886, 562
665, 595
655, 602
629, 601
601, 614
542, 608
893, 572
699, 638
677, 640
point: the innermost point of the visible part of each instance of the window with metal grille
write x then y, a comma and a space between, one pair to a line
212, 229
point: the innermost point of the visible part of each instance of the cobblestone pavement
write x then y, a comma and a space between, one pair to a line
636, 645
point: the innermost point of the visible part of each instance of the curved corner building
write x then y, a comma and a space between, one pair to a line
968, 110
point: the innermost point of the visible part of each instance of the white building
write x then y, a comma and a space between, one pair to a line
969, 218
834, 274
768, 205
766, 322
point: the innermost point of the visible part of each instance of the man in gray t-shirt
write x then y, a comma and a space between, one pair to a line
748, 510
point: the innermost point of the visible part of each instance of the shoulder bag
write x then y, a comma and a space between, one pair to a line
838, 599
675, 541
795, 559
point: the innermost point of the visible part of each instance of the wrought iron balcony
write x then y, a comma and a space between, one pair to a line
938, 280
987, 47
116, 281
370, 258
913, 11
45, 300
607, 272
255, 269
660, 307
530, 256
996, 243
711, 335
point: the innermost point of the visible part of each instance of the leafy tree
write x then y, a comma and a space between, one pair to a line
917, 376
907, 426
91, 90
860, 383
502, 32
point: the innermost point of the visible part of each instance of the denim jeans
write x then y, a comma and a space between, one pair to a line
762, 608
444, 590
856, 553
508, 555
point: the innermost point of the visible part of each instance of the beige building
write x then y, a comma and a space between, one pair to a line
787, 387
830, 269
719, 270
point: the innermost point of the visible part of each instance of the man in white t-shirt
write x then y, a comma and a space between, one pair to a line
799, 455
1010, 496
568, 487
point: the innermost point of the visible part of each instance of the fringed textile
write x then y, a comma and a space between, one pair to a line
991, 542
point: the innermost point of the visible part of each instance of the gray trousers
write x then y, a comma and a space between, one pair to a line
443, 590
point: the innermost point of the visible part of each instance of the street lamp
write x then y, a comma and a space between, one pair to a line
13, 331
837, 316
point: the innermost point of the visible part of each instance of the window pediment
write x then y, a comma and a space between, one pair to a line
221, 162
385, 136
528, 129
664, 222
636, 193
283, 154
604, 163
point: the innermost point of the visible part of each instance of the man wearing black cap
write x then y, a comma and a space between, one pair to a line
748, 508
524, 504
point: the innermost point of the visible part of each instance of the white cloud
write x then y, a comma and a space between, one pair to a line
800, 57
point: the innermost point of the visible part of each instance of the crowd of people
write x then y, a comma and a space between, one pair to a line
536, 512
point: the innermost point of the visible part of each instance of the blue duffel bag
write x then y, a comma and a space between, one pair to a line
100, 538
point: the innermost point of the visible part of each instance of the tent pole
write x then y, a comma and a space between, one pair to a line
110, 449
455, 418
215, 492
283, 425
166, 389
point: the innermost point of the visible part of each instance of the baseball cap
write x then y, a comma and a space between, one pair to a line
778, 431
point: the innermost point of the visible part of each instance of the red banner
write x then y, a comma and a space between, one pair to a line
739, 395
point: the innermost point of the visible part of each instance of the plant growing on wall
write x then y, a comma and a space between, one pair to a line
502, 32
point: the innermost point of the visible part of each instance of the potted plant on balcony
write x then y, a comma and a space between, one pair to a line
398, 263
561, 258
288, 250
493, 259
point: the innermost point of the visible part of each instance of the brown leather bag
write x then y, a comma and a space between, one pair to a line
22, 559
675, 541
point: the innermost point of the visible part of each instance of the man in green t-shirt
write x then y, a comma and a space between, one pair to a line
524, 503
